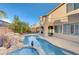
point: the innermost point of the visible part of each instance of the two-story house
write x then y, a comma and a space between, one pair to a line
63, 21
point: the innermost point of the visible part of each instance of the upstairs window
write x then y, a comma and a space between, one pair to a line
76, 6
70, 7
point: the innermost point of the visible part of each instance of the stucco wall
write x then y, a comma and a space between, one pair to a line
4, 30
73, 18
42, 20
58, 14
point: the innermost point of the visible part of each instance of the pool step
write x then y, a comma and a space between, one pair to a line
40, 50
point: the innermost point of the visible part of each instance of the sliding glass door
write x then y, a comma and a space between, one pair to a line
58, 29
76, 29
72, 29
66, 29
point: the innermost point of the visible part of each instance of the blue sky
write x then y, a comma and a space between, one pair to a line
28, 12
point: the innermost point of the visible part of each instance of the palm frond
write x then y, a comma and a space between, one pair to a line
3, 14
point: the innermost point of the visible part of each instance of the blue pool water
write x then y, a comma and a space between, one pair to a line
47, 47
24, 51
26, 40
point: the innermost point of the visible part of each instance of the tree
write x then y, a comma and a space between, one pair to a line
19, 26
3, 14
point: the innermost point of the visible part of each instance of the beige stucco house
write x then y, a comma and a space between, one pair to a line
63, 21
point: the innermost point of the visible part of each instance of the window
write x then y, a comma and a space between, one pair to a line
70, 7
58, 28
66, 29
76, 6
76, 29
71, 29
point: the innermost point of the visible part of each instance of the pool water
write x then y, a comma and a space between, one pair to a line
24, 51
26, 40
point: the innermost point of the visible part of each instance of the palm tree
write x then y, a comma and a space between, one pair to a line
3, 14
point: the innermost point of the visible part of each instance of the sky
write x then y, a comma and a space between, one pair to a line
27, 12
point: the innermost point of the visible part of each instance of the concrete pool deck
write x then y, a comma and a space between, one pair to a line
66, 44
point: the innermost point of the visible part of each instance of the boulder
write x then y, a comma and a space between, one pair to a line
3, 51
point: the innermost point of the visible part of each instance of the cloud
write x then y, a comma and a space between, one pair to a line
6, 20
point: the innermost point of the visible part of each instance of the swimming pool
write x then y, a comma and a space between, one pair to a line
47, 47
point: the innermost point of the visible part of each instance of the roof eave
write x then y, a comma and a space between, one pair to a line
56, 8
